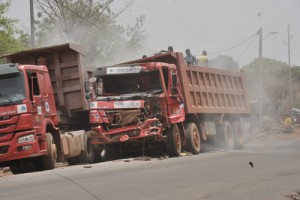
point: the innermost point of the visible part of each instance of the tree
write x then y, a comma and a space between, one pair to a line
275, 79
90, 23
224, 62
295, 71
11, 39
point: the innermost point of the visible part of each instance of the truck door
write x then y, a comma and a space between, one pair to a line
175, 100
36, 100
43, 94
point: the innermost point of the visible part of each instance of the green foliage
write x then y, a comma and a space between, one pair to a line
90, 23
295, 73
11, 39
224, 62
275, 77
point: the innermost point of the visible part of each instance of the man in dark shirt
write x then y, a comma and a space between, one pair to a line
189, 58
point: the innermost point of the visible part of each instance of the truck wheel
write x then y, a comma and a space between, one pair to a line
228, 135
49, 160
25, 166
193, 140
216, 140
238, 135
15, 169
173, 144
109, 152
73, 161
87, 155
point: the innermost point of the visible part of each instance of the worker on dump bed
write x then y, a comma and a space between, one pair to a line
203, 59
189, 58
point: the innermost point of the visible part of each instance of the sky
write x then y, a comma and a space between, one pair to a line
220, 27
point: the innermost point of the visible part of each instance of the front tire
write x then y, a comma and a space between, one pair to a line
49, 160
173, 144
193, 140
109, 152
88, 154
15, 169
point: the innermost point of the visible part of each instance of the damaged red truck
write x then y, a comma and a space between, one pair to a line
162, 100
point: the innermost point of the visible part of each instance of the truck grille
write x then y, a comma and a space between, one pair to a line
4, 149
4, 118
7, 127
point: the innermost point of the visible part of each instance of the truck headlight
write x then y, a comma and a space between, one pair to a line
26, 138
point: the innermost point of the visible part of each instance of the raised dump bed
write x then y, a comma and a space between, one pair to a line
67, 68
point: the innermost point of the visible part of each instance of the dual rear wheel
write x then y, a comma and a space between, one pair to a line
174, 145
230, 135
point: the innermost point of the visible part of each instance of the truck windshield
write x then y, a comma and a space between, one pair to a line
124, 83
12, 88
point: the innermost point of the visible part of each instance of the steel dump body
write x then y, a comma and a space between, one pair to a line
67, 70
207, 89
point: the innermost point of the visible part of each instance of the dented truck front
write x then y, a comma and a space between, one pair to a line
131, 102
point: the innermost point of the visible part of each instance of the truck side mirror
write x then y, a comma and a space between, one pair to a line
86, 86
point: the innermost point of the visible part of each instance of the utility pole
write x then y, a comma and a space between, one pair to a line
260, 85
290, 71
260, 112
32, 24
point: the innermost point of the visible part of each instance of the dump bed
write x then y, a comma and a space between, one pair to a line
67, 69
207, 89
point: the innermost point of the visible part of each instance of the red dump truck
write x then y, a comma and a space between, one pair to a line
43, 110
161, 100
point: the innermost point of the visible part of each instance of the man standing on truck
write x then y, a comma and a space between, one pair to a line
189, 58
203, 59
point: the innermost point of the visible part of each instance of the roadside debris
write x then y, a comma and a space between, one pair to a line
4, 171
294, 196
251, 164
87, 166
186, 154
143, 158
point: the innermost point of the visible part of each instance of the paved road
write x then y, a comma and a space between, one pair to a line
218, 175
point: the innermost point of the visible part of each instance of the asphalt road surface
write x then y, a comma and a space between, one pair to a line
212, 175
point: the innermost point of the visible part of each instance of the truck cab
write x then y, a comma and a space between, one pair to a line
26, 106
130, 102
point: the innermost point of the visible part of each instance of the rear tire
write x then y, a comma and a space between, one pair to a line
173, 144
228, 135
49, 160
239, 139
193, 140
